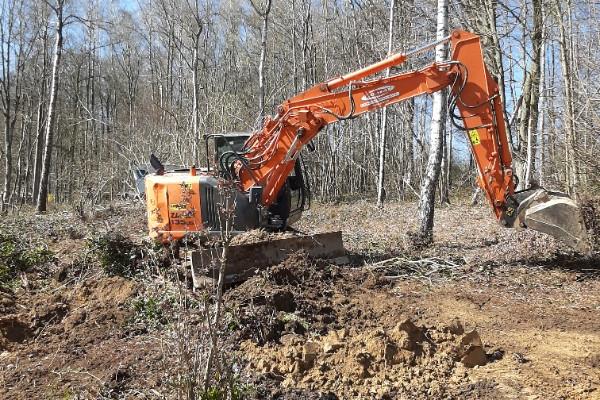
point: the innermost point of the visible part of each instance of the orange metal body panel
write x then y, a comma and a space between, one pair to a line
173, 202
485, 124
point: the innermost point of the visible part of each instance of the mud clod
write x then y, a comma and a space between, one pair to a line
12, 330
376, 355
283, 300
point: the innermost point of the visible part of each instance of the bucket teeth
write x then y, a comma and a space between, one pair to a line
555, 214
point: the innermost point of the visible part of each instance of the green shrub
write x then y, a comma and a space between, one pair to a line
231, 390
148, 311
18, 255
116, 254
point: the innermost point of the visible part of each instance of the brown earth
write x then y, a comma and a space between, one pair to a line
70, 341
321, 328
484, 313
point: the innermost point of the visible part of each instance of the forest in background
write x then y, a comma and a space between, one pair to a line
90, 88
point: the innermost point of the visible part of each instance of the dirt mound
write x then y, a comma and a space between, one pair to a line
60, 313
79, 328
406, 359
264, 301
111, 290
318, 328
286, 298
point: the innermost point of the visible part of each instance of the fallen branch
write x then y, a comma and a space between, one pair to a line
425, 269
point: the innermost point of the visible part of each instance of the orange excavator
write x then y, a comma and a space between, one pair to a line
268, 172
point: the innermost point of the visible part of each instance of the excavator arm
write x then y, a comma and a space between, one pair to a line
269, 155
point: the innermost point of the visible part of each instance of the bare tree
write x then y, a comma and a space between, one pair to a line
196, 81
12, 54
264, 14
528, 112
382, 139
571, 167
438, 118
40, 114
534, 101
42, 199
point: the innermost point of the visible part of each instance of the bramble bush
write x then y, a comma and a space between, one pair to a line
19, 255
116, 253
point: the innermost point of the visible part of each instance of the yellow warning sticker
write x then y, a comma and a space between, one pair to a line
474, 136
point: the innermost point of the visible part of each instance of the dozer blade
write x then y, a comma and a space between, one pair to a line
557, 215
245, 259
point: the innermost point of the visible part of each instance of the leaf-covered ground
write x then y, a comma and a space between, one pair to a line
484, 313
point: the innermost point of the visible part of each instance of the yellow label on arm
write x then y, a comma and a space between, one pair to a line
474, 136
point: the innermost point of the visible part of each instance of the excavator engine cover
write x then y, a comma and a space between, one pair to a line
179, 203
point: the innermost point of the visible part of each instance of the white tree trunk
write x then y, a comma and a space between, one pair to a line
263, 54
541, 115
51, 116
438, 119
571, 169
381, 174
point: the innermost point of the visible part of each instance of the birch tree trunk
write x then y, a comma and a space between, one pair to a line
263, 54
432, 173
532, 126
541, 114
571, 167
39, 140
446, 165
528, 113
51, 114
381, 174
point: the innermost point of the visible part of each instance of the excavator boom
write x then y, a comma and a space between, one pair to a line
475, 107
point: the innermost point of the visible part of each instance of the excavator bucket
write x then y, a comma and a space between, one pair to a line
557, 215
244, 260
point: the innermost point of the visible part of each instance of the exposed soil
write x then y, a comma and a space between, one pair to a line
71, 341
483, 313
316, 327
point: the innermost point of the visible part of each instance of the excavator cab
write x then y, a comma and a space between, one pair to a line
223, 144
293, 198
